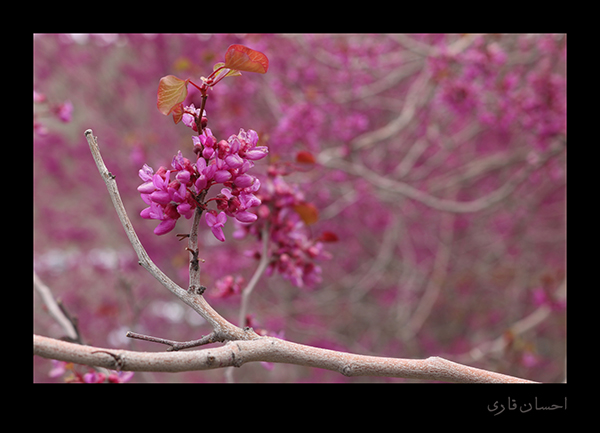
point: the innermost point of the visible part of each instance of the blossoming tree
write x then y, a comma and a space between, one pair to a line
395, 203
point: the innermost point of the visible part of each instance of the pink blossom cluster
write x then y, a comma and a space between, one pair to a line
177, 192
476, 82
62, 111
73, 375
228, 286
294, 250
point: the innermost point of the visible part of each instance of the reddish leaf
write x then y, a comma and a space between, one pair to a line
242, 58
177, 113
308, 212
328, 237
305, 157
172, 91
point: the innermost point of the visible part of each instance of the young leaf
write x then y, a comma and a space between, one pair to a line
177, 113
308, 212
229, 72
305, 157
172, 91
245, 59
328, 237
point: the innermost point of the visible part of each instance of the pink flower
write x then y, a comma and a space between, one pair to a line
246, 217
120, 376
94, 377
165, 226
58, 368
228, 286
191, 113
216, 224
64, 111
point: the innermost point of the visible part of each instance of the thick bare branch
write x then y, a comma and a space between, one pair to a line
267, 349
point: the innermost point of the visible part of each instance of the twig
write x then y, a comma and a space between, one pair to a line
538, 316
262, 266
447, 205
437, 278
415, 97
54, 309
177, 345
267, 349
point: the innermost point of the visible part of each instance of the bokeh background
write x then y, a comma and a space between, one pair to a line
441, 170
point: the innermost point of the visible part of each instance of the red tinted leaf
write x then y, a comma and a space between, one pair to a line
328, 237
242, 58
172, 91
177, 113
305, 157
308, 212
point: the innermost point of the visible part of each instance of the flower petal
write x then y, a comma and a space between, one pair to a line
165, 227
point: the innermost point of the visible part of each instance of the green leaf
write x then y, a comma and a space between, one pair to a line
172, 91
245, 59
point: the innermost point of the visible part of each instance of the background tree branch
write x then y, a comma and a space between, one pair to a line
54, 309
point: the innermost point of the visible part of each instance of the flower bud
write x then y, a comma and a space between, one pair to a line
234, 160
244, 181
222, 176
208, 152
246, 217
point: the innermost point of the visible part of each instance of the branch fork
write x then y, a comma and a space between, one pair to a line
192, 296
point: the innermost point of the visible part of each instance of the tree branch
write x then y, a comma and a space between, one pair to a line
177, 345
195, 286
244, 345
267, 349
226, 330
54, 308
443, 204
260, 269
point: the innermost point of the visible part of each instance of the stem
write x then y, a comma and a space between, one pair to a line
194, 286
177, 345
199, 120
198, 87
203, 89
262, 266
